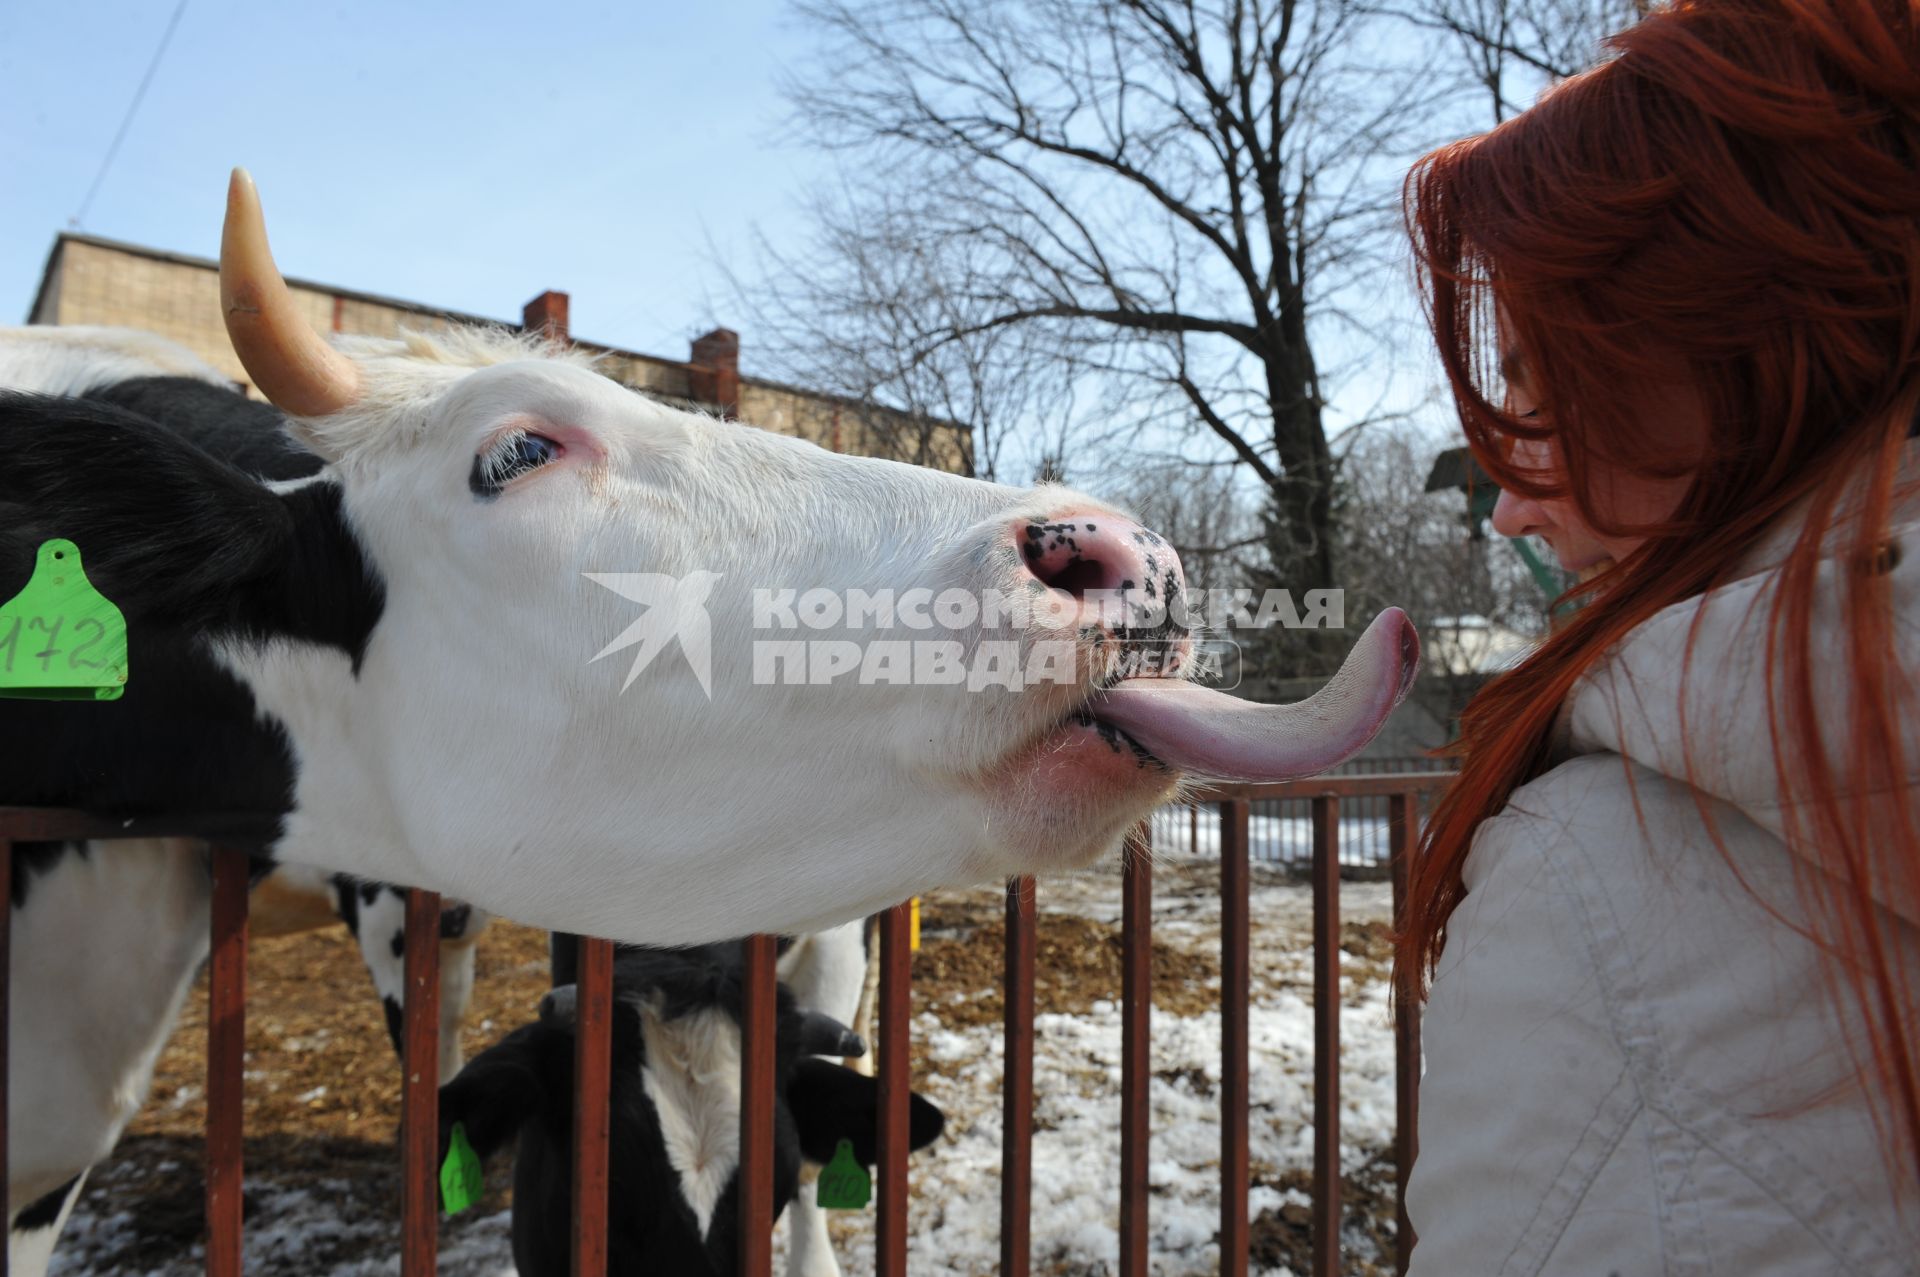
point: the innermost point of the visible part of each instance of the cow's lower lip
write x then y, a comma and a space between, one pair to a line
1115, 737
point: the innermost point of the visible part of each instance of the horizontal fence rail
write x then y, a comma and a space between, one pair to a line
1231, 818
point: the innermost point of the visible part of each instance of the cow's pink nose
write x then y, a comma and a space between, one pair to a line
1078, 552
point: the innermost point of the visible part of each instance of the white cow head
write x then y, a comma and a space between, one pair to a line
524, 513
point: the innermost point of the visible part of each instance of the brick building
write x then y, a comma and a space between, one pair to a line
89, 280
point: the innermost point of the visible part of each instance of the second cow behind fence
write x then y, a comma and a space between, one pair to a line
673, 1193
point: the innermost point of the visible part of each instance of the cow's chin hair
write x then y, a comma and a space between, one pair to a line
1053, 811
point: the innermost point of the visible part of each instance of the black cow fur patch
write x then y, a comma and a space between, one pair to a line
44, 1212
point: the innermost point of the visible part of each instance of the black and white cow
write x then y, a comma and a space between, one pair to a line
295, 898
392, 665
673, 1187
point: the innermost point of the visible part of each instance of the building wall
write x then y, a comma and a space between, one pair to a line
180, 299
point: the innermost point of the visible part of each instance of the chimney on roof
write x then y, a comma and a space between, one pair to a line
547, 314
713, 371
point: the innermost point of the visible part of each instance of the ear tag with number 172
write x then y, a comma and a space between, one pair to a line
61, 639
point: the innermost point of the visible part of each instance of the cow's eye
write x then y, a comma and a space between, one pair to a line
507, 458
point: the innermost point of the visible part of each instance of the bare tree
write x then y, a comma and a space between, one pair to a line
1514, 48
874, 311
1165, 227
1162, 197
1206, 516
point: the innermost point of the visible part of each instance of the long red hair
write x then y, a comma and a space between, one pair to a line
1731, 204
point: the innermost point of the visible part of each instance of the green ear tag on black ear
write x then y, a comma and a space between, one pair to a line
61, 639
461, 1180
844, 1184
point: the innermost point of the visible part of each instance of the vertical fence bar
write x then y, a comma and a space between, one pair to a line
6, 1003
1193, 829
1136, 1058
1326, 1037
896, 1005
1403, 826
757, 1064
420, 1089
226, 1058
1016, 1146
1236, 989
592, 1092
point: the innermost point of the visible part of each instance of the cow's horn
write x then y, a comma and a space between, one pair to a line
291, 364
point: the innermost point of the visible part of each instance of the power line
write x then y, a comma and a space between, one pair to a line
133, 109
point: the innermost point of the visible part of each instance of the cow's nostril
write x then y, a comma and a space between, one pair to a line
1077, 576
1079, 555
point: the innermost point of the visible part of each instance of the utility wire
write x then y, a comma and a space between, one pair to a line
133, 109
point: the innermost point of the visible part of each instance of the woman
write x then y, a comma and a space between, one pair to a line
1670, 910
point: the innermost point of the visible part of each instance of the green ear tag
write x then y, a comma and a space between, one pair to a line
61, 639
461, 1180
843, 1181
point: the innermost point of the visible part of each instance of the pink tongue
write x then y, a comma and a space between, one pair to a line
1197, 729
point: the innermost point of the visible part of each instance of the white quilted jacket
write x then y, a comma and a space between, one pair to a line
1631, 1066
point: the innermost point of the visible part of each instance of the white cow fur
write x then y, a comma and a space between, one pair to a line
119, 936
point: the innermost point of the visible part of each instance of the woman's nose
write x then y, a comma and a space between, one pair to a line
1518, 516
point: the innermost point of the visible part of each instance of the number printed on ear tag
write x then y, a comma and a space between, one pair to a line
61, 639
844, 1183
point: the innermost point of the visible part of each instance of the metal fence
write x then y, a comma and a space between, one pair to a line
1280, 830
1326, 800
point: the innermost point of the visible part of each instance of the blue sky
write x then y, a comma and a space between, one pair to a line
464, 155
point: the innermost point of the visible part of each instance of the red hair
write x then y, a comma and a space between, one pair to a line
1730, 205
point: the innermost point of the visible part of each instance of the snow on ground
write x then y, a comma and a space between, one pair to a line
954, 1219
333, 1209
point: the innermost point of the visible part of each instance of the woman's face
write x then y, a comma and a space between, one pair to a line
1628, 498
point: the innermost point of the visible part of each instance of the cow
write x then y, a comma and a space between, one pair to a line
834, 974
673, 1159
297, 898
369, 623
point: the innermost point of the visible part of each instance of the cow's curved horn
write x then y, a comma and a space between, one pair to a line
291, 364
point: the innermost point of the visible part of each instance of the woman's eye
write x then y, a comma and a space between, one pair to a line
507, 458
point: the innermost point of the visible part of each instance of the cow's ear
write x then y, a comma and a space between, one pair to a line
174, 536
830, 1103
498, 1091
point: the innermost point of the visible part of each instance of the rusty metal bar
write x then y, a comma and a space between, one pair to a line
1136, 1056
592, 1093
1329, 786
896, 1006
757, 1064
1016, 1090
6, 989
65, 824
1403, 815
1326, 1037
1236, 990
226, 1058
420, 1089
